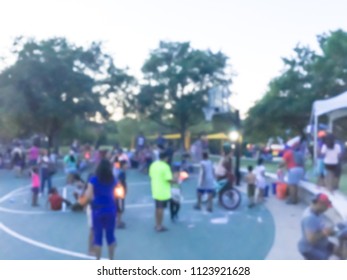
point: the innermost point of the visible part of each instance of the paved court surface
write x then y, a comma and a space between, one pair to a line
37, 233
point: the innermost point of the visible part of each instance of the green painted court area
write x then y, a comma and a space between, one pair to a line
38, 233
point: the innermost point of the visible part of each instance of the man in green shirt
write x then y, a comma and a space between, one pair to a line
161, 179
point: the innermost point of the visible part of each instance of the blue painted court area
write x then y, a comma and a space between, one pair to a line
38, 233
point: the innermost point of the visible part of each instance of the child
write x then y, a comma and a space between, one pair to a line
206, 182
260, 180
35, 183
116, 166
120, 200
80, 186
251, 181
84, 203
175, 201
280, 174
56, 201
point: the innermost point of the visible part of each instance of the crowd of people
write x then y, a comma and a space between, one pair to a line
104, 191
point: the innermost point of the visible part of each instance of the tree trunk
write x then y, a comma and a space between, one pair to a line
50, 140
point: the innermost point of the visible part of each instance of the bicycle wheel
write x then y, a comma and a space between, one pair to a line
230, 198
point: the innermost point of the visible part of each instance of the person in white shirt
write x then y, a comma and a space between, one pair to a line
260, 179
331, 151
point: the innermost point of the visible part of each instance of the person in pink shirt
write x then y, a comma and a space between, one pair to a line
35, 183
34, 153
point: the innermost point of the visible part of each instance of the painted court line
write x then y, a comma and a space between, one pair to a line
22, 212
10, 194
43, 245
140, 205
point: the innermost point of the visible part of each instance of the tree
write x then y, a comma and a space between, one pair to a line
177, 80
307, 76
54, 82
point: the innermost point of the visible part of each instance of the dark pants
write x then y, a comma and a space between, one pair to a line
104, 223
319, 254
45, 177
174, 208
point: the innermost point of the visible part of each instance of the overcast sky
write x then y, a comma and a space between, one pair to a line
255, 34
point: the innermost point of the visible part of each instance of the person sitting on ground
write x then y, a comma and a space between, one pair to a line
314, 243
56, 200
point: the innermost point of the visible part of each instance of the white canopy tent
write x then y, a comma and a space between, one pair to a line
334, 108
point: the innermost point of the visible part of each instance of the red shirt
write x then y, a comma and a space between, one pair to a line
288, 158
56, 201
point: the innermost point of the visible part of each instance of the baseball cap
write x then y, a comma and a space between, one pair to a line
322, 198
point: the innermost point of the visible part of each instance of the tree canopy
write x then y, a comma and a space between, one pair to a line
307, 76
53, 82
176, 83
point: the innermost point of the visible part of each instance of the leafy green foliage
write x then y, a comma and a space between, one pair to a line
53, 83
307, 76
177, 80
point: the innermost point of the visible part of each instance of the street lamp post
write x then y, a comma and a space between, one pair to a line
216, 95
236, 137
238, 150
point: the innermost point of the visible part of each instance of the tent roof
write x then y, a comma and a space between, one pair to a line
326, 106
217, 136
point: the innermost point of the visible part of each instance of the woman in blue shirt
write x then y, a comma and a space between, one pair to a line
100, 193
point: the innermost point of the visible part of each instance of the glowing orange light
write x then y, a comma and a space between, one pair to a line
119, 192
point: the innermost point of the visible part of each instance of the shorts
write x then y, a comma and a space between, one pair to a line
203, 191
261, 184
251, 190
120, 205
334, 168
295, 175
35, 190
319, 253
161, 204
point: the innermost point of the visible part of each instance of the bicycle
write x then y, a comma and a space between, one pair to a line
229, 197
